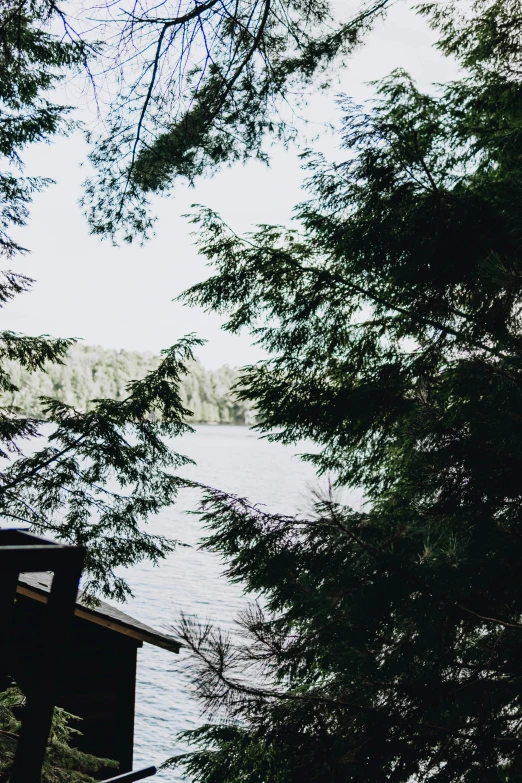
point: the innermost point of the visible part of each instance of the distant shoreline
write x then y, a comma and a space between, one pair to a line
220, 423
91, 372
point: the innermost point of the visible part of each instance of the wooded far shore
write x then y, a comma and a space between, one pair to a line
93, 372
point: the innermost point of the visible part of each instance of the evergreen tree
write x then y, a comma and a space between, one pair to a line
102, 472
203, 85
63, 763
388, 645
202, 112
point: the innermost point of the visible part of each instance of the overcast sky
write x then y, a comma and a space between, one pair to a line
121, 297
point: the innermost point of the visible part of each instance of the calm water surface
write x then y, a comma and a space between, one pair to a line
236, 460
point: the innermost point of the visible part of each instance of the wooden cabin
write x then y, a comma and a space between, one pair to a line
98, 681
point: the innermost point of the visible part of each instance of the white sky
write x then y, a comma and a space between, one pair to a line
122, 297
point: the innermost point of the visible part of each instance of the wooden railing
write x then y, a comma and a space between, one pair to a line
130, 777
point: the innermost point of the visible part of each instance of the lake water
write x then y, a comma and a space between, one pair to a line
234, 459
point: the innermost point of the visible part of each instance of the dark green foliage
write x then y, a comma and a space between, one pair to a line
202, 86
32, 62
91, 372
63, 763
102, 472
389, 645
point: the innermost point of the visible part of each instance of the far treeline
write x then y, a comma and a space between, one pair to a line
91, 372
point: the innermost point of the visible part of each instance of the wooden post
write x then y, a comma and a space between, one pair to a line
20, 551
8, 580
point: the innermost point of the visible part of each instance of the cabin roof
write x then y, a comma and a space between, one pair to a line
37, 586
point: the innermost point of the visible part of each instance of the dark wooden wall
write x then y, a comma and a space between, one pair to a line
98, 680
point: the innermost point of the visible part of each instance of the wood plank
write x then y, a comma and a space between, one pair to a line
105, 622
